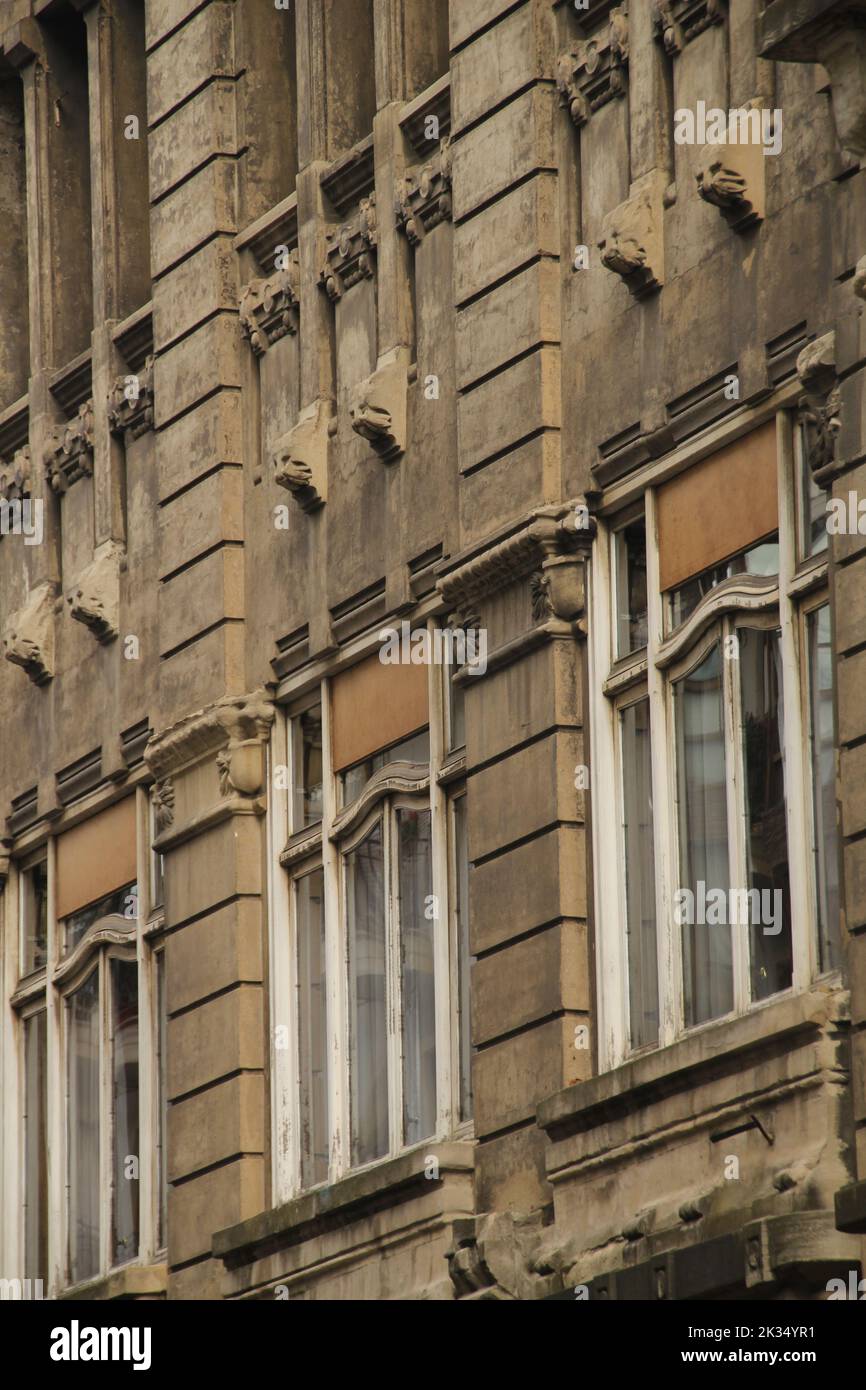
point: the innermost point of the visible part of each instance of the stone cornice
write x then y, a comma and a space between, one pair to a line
234, 720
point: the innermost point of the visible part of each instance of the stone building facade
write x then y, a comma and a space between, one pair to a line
537, 963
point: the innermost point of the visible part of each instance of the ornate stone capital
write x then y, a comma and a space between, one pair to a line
94, 598
130, 403
231, 721
632, 240
15, 476
69, 455
29, 637
677, 22
595, 70
301, 457
821, 405
350, 251
269, 307
378, 405
731, 177
424, 199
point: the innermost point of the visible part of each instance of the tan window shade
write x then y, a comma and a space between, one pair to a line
718, 507
374, 705
96, 857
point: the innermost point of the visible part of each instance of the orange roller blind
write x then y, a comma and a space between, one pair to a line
718, 507
374, 705
96, 857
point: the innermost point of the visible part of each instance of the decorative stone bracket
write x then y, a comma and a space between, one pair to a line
29, 637
498, 1257
69, 455
301, 457
162, 800
632, 240
833, 33
350, 251
595, 71
731, 177
424, 198
378, 405
677, 22
94, 599
15, 476
232, 731
269, 308
130, 403
820, 408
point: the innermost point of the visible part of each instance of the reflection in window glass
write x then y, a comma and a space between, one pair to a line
703, 838
464, 958
312, 1028
365, 892
82, 1129
124, 1068
639, 873
630, 547
813, 507
122, 903
417, 926
162, 1100
35, 1148
308, 764
415, 749
769, 903
34, 943
824, 786
456, 709
762, 558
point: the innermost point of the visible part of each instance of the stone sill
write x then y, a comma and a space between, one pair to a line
386, 1184
689, 1063
133, 1281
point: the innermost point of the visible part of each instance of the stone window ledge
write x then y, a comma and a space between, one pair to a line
133, 1281
685, 1065
384, 1185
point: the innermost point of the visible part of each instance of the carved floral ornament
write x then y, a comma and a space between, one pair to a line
162, 800
69, 455
269, 307
821, 405
130, 403
350, 251
677, 22
595, 70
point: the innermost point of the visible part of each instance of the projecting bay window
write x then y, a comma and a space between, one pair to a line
721, 890
370, 996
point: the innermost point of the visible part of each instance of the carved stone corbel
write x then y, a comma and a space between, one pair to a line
29, 637
15, 476
350, 251
731, 177
833, 33
378, 405
69, 455
94, 599
595, 71
424, 198
269, 307
241, 763
501, 1257
677, 22
632, 240
162, 800
301, 457
130, 403
821, 405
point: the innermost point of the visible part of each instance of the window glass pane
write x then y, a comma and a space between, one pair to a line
703, 842
124, 1066
34, 943
312, 1028
631, 587
824, 787
308, 768
456, 710
365, 891
417, 928
162, 1101
35, 1150
464, 959
82, 1128
760, 559
639, 874
813, 507
768, 910
411, 750
122, 903
157, 869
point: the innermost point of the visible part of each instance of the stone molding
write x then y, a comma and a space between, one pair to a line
69, 455
595, 70
677, 22
28, 640
632, 239
378, 405
350, 251
94, 598
130, 403
300, 458
270, 307
233, 722
424, 197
